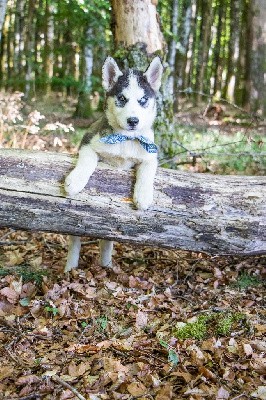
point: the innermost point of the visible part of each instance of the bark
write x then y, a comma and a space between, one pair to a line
233, 51
217, 50
185, 45
191, 45
136, 22
84, 108
48, 45
198, 212
3, 4
18, 37
258, 57
204, 45
172, 46
29, 49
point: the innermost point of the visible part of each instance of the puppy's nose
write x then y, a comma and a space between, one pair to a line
132, 122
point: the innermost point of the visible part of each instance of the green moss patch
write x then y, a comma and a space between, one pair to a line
212, 324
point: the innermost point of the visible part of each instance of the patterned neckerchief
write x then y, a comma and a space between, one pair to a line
146, 143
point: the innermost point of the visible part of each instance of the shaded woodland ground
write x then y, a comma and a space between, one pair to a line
159, 325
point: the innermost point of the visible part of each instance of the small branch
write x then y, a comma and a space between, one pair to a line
13, 243
33, 396
67, 386
240, 395
7, 234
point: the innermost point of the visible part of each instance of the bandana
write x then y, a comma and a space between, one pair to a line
114, 138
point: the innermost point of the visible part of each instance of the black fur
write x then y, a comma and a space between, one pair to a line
123, 82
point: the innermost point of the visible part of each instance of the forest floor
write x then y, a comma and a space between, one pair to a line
159, 325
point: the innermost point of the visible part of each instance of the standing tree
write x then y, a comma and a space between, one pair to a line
96, 19
3, 4
137, 39
172, 46
258, 57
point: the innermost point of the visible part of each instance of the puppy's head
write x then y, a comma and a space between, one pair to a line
130, 95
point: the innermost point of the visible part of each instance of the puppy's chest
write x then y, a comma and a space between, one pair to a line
121, 155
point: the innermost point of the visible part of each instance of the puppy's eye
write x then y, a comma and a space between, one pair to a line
121, 98
143, 100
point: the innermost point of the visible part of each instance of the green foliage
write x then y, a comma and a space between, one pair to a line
213, 151
195, 330
27, 273
212, 324
245, 281
172, 354
102, 322
53, 310
24, 302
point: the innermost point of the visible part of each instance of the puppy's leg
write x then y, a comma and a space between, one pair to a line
78, 178
143, 191
73, 253
106, 249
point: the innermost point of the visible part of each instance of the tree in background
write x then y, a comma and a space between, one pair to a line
258, 58
215, 47
95, 31
3, 4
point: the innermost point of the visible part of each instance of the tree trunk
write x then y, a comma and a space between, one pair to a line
258, 57
233, 51
48, 47
29, 49
83, 108
217, 51
187, 20
204, 45
199, 212
3, 4
172, 47
137, 22
191, 38
18, 37
138, 38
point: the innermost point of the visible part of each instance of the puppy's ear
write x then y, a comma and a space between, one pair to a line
110, 73
154, 73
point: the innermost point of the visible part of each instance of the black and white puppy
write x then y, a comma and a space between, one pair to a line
122, 138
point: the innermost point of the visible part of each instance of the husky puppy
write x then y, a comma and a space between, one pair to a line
122, 138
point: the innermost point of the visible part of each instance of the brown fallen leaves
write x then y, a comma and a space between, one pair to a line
110, 334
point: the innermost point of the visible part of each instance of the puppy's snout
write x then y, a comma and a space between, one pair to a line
132, 122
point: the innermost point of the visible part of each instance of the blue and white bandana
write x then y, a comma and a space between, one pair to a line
146, 143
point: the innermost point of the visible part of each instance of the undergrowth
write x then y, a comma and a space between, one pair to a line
212, 324
26, 273
207, 150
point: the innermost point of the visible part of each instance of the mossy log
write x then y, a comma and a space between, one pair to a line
199, 212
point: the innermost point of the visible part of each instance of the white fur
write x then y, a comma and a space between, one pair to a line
117, 117
110, 73
123, 155
73, 253
106, 248
78, 178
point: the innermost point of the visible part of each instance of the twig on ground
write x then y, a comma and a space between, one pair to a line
13, 243
32, 396
7, 234
67, 386
239, 396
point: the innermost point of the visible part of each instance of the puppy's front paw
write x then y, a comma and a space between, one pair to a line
75, 182
143, 198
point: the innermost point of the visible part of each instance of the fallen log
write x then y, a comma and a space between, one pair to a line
199, 212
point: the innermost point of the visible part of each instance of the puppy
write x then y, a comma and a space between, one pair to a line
123, 138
